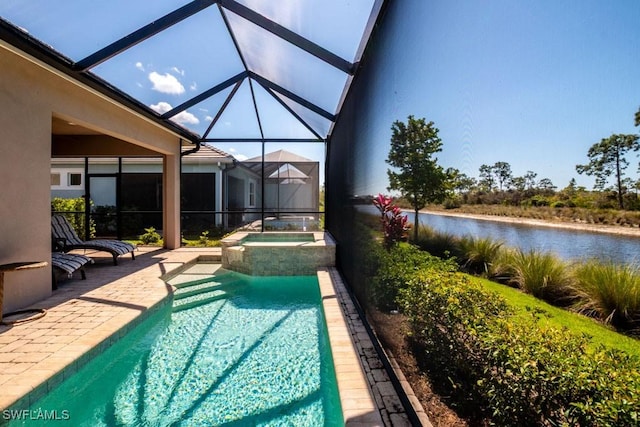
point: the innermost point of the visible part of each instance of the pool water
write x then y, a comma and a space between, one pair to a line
278, 237
233, 350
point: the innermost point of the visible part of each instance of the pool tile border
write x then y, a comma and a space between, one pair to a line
359, 407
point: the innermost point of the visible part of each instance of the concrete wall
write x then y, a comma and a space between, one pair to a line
31, 94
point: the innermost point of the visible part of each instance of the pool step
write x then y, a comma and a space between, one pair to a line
202, 286
218, 278
198, 299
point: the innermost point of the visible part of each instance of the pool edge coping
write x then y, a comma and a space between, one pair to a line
356, 397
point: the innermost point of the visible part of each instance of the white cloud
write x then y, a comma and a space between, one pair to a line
193, 86
139, 66
208, 118
166, 83
184, 117
240, 157
161, 107
177, 71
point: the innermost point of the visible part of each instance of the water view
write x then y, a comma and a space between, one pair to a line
568, 244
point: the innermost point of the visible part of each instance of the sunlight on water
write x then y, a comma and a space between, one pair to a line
257, 356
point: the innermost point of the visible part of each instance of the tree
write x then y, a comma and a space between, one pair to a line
607, 157
502, 172
486, 181
638, 117
419, 178
571, 189
530, 179
519, 183
459, 182
546, 186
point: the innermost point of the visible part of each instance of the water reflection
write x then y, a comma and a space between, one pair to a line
567, 244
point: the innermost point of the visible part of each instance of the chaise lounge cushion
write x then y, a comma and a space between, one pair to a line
68, 264
64, 235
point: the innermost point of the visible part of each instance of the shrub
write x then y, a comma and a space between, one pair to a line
447, 313
396, 268
537, 375
609, 291
477, 255
150, 237
540, 274
394, 223
436, 243
515, 369
452, 203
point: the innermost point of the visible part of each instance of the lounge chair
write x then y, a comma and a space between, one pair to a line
67, 264
66, 239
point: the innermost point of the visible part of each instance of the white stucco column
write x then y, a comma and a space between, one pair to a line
171, 185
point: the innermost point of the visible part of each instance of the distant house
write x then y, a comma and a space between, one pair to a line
291, 190
216, 189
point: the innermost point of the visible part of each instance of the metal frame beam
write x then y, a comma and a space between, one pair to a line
214, 140
288, 35
222, 108
277, 88
293, 113
204, 95
142, 34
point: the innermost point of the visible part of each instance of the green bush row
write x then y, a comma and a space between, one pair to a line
512, 368
600, 289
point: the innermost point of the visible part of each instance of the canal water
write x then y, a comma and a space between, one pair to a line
566, 243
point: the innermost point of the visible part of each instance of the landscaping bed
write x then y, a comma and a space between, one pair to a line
491, 361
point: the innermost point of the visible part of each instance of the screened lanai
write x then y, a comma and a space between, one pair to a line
246, 77
116, 85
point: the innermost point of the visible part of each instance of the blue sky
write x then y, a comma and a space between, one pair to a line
532, 83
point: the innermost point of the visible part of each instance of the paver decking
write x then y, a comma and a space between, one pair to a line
84, 317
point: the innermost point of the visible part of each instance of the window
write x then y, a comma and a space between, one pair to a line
74, 179
67, 179
252, 193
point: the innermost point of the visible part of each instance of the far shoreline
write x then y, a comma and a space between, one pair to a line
595, 228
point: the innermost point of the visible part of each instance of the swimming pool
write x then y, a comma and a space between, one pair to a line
231, 350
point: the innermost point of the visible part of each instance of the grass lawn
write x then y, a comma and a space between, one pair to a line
558, 317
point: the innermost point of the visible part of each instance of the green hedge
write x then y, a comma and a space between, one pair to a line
394, 268
516, 370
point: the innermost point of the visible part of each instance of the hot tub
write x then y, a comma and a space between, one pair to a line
278, 254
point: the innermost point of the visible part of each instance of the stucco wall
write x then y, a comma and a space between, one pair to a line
30, 95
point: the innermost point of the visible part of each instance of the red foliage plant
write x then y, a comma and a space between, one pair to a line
394, 224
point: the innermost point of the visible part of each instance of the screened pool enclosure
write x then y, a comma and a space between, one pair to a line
247, 78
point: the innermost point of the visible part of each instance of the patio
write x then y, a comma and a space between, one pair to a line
84, 317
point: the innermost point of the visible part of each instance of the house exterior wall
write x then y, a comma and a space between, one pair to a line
31, 94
